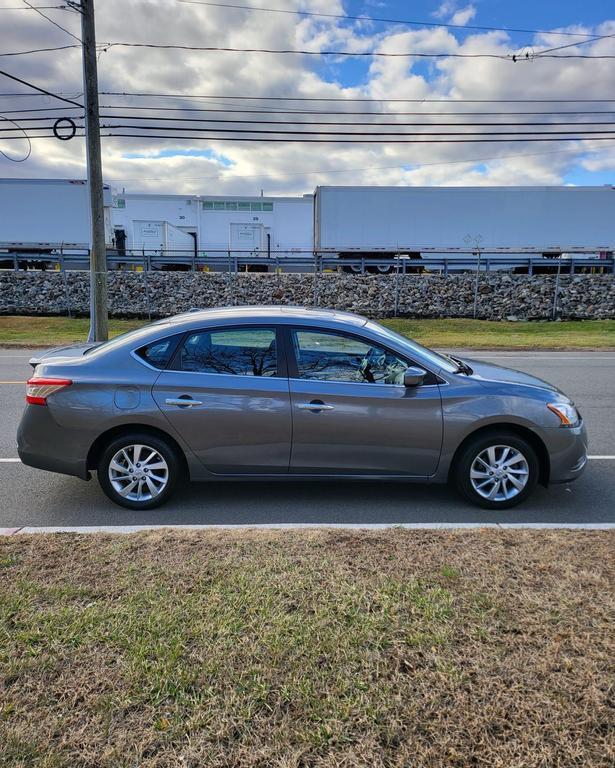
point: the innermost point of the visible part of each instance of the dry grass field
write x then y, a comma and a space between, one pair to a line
307, 649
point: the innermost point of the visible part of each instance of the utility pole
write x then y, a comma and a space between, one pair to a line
98, 250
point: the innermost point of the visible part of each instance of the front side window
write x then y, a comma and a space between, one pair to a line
237, 351
336, 357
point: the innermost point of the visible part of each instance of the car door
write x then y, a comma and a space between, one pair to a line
226, 393
352, 414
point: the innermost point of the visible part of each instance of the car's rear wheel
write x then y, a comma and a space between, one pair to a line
139, 471
497, 471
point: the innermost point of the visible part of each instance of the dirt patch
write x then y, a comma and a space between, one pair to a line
313, 648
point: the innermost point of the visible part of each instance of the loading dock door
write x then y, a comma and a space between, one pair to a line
246, 238
149, 236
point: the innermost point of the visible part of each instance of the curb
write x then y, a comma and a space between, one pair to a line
126, 529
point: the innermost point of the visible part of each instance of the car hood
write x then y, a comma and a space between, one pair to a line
70, 351
487, 372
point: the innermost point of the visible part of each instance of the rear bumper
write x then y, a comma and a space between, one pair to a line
77, 469
43, 444
568, 453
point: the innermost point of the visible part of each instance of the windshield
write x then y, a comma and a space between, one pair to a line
437, 360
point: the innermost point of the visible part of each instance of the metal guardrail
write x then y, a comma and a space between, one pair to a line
322, 261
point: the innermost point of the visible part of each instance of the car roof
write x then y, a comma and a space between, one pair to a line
277, 314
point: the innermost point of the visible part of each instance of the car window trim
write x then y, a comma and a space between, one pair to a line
281, 358
293, 368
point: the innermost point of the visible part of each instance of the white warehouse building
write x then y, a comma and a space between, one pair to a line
209, 226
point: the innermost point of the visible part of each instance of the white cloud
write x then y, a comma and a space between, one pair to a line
464, 15
445, 9
294, 168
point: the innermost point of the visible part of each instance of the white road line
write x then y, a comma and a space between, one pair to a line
538, 358
123, 529
10, 461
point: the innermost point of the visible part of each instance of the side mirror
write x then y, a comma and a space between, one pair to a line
414, 377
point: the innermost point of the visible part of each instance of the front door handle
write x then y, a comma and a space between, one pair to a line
315, 406
182, 402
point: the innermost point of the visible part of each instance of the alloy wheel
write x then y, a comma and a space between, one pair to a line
138, 472
499, 473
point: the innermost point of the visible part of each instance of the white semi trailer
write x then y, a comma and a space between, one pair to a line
44, 216
382, 222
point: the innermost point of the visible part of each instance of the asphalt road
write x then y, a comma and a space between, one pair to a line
34, 498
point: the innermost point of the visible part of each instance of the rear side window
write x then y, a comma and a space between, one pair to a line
159, 353
235, 351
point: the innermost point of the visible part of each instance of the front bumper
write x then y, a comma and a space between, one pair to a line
568, 453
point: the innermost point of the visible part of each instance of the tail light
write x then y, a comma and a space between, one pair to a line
38, 390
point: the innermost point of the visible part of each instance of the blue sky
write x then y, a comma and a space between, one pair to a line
521, 14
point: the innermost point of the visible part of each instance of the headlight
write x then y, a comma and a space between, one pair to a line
566, 412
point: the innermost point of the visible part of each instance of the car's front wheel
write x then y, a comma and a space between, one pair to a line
497, 471
139, 471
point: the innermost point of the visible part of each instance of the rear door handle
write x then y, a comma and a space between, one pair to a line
316, 405
182, 402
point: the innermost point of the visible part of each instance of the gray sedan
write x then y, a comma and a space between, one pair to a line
283, 393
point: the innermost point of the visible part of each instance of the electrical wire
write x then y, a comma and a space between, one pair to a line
292, 140
354, 99
572, 45
350, 54
329, 113
51, 21
398, 124
514, 58
40, 50
25, 135
384, 135
236, 6
28, 111
33, 8
34, 127
40, 90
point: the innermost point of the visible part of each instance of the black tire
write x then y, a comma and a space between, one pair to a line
468, 459
165, 451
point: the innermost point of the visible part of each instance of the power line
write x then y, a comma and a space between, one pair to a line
350, 113
25, 135
350, 54
40, 50
321, 113
382, 134
571, 45
355, 99
329, 113
292, 140
236, 6
28, 111
51, 21
40, 90
397, 124
33, 8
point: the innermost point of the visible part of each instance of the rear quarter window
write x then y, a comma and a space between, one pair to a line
159, 353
